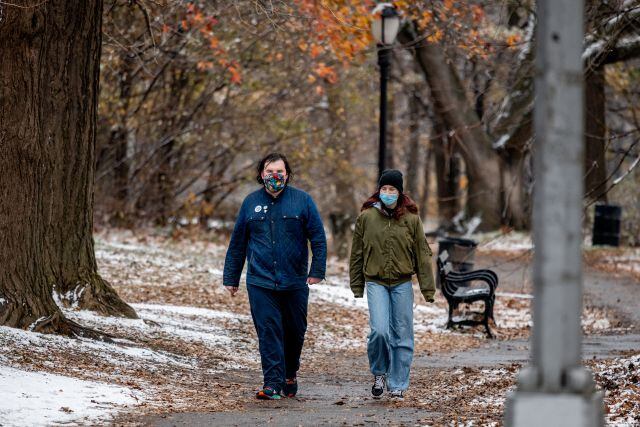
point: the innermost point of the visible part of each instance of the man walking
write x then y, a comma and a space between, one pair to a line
272, 230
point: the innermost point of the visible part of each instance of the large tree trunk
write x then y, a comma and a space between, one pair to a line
517, 176
451, 103
595, 136
343, 213
426, 181
415, 116
447, 174
49, 80
120, 141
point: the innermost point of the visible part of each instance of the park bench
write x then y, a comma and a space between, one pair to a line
456, 289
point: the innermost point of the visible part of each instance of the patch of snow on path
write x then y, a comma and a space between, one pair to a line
42, 399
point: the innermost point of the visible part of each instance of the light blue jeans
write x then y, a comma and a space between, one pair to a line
390, 343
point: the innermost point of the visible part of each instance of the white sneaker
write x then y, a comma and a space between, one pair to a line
396, 394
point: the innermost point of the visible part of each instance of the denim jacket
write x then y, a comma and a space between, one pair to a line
272, 234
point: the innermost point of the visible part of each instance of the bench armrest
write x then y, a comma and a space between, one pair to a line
452, 279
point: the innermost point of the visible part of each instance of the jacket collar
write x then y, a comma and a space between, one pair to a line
380, 209
278, 197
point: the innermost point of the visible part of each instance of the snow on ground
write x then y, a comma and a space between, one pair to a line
512, 310
119, 353
615, 260
624, 260
485, 391
619, 378
151, 260
190, 324
42, 399
191, 334
508, 242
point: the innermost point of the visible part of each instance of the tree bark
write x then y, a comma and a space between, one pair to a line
451, 103
595, 136
119, 143
426, 181
411, 182
517, 178
447, 175
342, 215
49, 76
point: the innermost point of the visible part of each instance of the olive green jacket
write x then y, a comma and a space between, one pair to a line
389, 251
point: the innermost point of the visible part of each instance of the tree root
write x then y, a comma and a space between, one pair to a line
58, 324
96, 294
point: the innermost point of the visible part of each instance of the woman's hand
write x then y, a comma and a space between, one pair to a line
313, 280
232, 289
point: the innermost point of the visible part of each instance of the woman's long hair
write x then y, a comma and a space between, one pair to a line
405, 203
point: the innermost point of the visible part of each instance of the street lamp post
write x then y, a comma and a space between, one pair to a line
384, 27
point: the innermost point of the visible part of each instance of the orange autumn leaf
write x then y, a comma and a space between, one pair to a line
478, 12
315, 51
236, 78
327, 73
214, 42
436, 36
427, 17
204, 65
512, 40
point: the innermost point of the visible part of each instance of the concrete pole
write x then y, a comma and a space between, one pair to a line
556, 390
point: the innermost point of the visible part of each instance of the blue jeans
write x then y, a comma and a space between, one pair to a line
390, 343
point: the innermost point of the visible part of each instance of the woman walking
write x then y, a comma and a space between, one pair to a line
389, 247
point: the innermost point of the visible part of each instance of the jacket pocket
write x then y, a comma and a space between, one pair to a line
372, 266
293, 225
257, 224
250, 264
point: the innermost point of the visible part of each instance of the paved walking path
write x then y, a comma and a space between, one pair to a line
328, 399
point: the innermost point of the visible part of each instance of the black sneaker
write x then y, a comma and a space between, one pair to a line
378, 385
290, 387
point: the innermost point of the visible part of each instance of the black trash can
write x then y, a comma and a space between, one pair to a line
606, 225
461, 254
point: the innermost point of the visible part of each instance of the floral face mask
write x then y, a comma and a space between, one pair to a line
275, 182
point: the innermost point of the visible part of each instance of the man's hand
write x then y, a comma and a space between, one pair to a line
232, 289
313, 280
